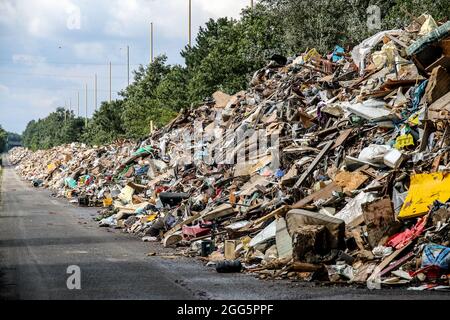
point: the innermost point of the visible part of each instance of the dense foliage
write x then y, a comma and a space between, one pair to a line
225, 55
14, 140
322, 24
228, 52
60, 127
3, 139
106, 124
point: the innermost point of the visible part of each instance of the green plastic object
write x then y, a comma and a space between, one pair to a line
71, 183
146, 149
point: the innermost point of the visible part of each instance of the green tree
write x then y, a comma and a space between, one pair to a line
106, 124
322, 24
171, 93
403, 11
59, 127
140, 100
3, 139
13, 139
227, 52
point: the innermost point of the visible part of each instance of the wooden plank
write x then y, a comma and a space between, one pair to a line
445, 45
208, 236
356, 222
350, 181
325, 132
278, 212
438, 85
305, 267
221, 211
436, 162
314, 164
401, 43
442, 61
342, 138
181, 224
356, 233
397, 263
379, 218
440, 110
386, 262
324, 193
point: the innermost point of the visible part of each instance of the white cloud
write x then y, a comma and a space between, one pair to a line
133, 17
39, 18
23, 107
4, 89
46, 18
215, 9
7, 12
27, 59
90, 50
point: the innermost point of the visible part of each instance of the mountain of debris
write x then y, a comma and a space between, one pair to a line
329, 168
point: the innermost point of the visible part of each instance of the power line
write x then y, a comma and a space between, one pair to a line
53, 75
61, 89
69, 63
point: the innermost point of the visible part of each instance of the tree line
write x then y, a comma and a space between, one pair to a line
3, 139
226, 54
8, 140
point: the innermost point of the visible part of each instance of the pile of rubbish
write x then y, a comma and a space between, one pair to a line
329, 168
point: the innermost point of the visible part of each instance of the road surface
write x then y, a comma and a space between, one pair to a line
40, 237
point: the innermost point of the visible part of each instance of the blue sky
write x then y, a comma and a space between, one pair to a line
51, 48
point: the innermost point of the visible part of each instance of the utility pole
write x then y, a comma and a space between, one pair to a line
78, 104
128, 64
251, 4
151, 42
70, 105
95, 92
65, 112
190, 23
110, 82
86, 103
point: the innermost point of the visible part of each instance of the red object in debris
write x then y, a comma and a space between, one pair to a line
89, 181
432, 273
400, 240
195, 231
160, 189
218, 192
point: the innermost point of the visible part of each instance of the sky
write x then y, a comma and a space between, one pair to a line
50, 49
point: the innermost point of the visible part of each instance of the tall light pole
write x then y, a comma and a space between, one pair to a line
95, 92
110, 82
190, 23
251, 4
86, 104
78, 104
128, 64
151, 42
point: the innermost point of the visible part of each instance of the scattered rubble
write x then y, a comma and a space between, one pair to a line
331, 169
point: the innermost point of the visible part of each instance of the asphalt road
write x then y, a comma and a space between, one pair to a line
40, 237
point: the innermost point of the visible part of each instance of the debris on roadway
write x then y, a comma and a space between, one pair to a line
329, 168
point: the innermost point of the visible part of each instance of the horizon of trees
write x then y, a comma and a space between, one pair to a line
8, 140
3, 139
